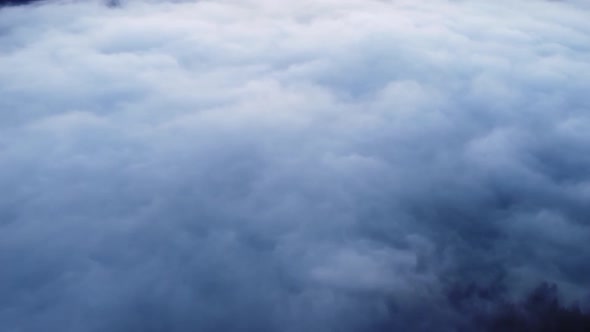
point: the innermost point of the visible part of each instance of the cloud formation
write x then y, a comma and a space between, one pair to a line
294, 166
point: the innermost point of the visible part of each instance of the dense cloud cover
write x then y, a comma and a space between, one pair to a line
314, 165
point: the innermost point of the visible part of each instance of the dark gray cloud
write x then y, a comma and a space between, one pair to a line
311, 166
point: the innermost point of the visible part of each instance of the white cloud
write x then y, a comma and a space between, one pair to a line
293, 165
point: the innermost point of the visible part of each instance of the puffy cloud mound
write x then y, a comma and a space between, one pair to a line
314, 165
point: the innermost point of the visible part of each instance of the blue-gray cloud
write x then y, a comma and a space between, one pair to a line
311, 166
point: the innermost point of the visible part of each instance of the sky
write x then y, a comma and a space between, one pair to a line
291, 166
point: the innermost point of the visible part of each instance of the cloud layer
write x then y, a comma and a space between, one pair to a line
294, 166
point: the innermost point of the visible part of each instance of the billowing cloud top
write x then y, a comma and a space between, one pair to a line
314, 165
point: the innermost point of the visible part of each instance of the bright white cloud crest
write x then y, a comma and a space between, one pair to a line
297, 166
